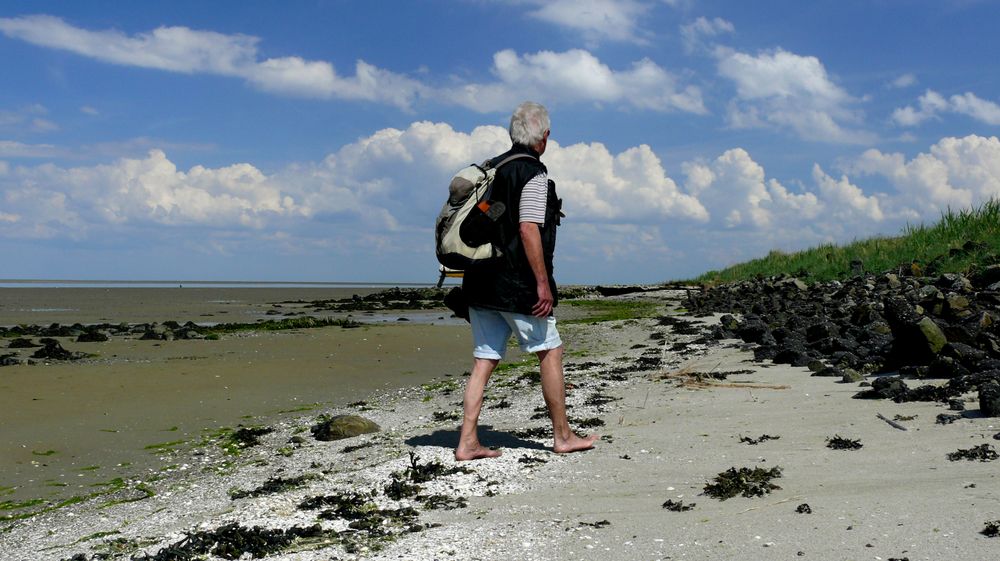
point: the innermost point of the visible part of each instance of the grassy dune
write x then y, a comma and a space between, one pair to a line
961, 241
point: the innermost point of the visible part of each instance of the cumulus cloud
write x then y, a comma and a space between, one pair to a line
695, 34
932, 104
956, 173
737, 194
615, 20
570, 76
789, 91
180, 49
577, 75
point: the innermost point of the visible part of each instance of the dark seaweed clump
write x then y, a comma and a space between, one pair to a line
406, 483
748, 482
982, 453
804, 508
233, 541
758, 440
992, 529
677, 506
246, 437
446, 416
840, 443
272, 486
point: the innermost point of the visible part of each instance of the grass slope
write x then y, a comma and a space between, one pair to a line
960, 241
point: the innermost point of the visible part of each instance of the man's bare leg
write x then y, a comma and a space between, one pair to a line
554, 392
469, 447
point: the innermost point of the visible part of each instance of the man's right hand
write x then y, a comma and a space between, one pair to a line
543, 307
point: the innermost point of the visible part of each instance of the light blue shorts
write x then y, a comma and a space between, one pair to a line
491, 329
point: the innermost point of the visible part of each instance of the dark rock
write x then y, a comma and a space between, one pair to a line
989, 399
946, 367
22, 343
343, 426
54, 351
92, 337
9, 360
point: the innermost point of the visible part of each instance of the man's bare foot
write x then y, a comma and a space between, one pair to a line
575, 443
463, 454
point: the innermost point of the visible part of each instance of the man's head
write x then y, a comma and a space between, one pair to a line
529, 125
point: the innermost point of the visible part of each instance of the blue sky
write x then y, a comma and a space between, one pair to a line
313, 141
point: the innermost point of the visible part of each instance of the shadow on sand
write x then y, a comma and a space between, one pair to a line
487, 436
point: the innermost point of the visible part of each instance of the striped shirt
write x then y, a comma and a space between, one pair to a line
533, 198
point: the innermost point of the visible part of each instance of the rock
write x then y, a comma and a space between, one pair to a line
22, 343
933, 338
830, 371
92, 337
946, 367
54, 351
343, 426
9, 360
852, 376
989, 399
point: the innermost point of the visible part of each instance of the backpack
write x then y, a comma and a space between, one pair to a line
466, 225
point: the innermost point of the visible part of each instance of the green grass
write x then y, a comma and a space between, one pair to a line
611, 310
960, 241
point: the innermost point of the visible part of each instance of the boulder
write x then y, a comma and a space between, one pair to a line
989, 399
22, 343
343, 426
92, 337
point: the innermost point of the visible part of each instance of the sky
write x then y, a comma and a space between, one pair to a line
314, 140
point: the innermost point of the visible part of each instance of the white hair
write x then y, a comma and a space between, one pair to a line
529, 123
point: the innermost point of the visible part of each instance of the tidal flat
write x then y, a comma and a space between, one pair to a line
72, 427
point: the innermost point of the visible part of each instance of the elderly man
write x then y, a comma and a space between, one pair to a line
517, 293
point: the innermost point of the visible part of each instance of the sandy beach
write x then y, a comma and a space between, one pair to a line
671, 409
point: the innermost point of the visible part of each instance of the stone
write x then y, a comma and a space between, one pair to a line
92, 337
343, 426
852, 376
989, 399
54, 351
22, 343
933, 336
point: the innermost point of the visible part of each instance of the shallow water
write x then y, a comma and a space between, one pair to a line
68, 426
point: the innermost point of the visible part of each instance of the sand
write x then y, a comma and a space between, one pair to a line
898, 497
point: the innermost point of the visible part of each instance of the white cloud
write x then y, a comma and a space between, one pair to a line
737, 194
956, 173
904, 81
694, 34
12, 149
88, 110
180, 49
28, 118
932, 104
577, 76
845, 200
615, 20
790, 91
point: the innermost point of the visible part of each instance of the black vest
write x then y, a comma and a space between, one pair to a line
508, 283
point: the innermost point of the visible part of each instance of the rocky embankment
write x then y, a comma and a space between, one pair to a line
929, 338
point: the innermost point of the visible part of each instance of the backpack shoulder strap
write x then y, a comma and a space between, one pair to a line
513, 157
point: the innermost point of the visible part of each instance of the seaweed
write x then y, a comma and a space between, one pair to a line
744, 481
982, 453
446, 416
598, 399
946, 418
588, 423
245, 437
992, 529
840, 443
758, 440
677, 506
233, 541
537, 432
804, 508
598, 524
274, 485
531, 460
444, 502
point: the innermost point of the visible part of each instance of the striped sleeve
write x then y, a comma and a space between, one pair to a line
533, 198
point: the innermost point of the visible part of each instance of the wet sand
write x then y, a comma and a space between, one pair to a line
68, 305
70, 425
